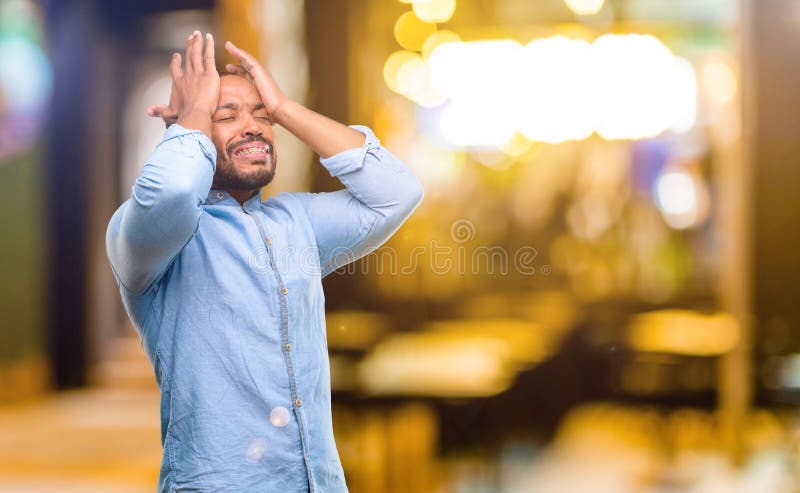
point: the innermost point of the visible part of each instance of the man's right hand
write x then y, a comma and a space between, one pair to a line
195, 87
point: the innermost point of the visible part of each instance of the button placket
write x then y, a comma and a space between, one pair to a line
283, 300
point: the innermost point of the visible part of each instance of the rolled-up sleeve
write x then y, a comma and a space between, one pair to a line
380, 193
161, 216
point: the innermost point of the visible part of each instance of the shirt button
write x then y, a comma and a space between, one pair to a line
268, 240
284, 290
220, 195
298, 402
288, 347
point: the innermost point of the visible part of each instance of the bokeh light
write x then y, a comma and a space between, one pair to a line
438, 38
26, 77
638, 95
585, 7
391, 69
411, 32
554, 89
256, 450
279, 416
435, 10
720, 83
555, 100
681, 197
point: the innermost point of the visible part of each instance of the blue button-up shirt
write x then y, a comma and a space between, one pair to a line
228, 301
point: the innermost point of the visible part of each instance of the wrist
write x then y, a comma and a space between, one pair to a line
196, 111
196, 119
281, 111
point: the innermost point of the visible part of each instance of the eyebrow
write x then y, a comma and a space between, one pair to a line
234, 106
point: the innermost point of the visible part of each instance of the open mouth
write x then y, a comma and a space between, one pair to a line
253, 152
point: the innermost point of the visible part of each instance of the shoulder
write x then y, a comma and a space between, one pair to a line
290, 202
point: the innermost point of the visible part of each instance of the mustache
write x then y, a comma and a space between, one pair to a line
250, 140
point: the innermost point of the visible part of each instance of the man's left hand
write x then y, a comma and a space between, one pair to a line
271, 95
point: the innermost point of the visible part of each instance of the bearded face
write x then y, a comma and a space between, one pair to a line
248, 164
242, 133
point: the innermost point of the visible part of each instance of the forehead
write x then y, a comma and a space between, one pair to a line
237, 90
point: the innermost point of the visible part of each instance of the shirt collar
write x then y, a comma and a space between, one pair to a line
221, 197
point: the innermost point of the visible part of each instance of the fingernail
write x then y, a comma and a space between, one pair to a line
208, 36
195, 33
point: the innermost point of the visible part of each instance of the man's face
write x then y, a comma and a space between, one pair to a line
242, 134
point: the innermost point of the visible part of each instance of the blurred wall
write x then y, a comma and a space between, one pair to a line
22, 367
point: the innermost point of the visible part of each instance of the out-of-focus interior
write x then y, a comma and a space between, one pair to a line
597, 293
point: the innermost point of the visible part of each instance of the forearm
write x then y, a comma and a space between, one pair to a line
323, 135
164, 209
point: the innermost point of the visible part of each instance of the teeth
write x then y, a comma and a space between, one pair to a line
253, 150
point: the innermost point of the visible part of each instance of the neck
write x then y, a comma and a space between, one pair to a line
242, 196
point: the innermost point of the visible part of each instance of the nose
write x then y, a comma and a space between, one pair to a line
251, 128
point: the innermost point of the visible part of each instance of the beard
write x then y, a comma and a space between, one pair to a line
229, 177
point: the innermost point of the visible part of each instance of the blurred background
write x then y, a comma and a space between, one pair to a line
598, 292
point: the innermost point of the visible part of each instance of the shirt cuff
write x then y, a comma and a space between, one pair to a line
351, 159
176, 131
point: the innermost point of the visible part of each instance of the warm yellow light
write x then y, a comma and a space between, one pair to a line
585, 7
480, 126
555, 98
435, 10
719, 83
422, 365
436, 166
456, 358
412, 76
553, 90
683, 94
391, 69
411, 32
438, 38
684, 332
516, 146
479, 79
640, 87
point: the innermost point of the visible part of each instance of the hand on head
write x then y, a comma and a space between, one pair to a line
249, 67
195, 87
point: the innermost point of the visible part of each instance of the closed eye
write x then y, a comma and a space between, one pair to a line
225, 119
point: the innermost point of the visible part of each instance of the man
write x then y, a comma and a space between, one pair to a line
225, 290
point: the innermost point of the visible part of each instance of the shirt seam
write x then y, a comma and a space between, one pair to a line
169, 449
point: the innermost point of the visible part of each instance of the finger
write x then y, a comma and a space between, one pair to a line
175, 66
197, 52
236, 69
209, 63
157, 110
190, 57
246, 59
